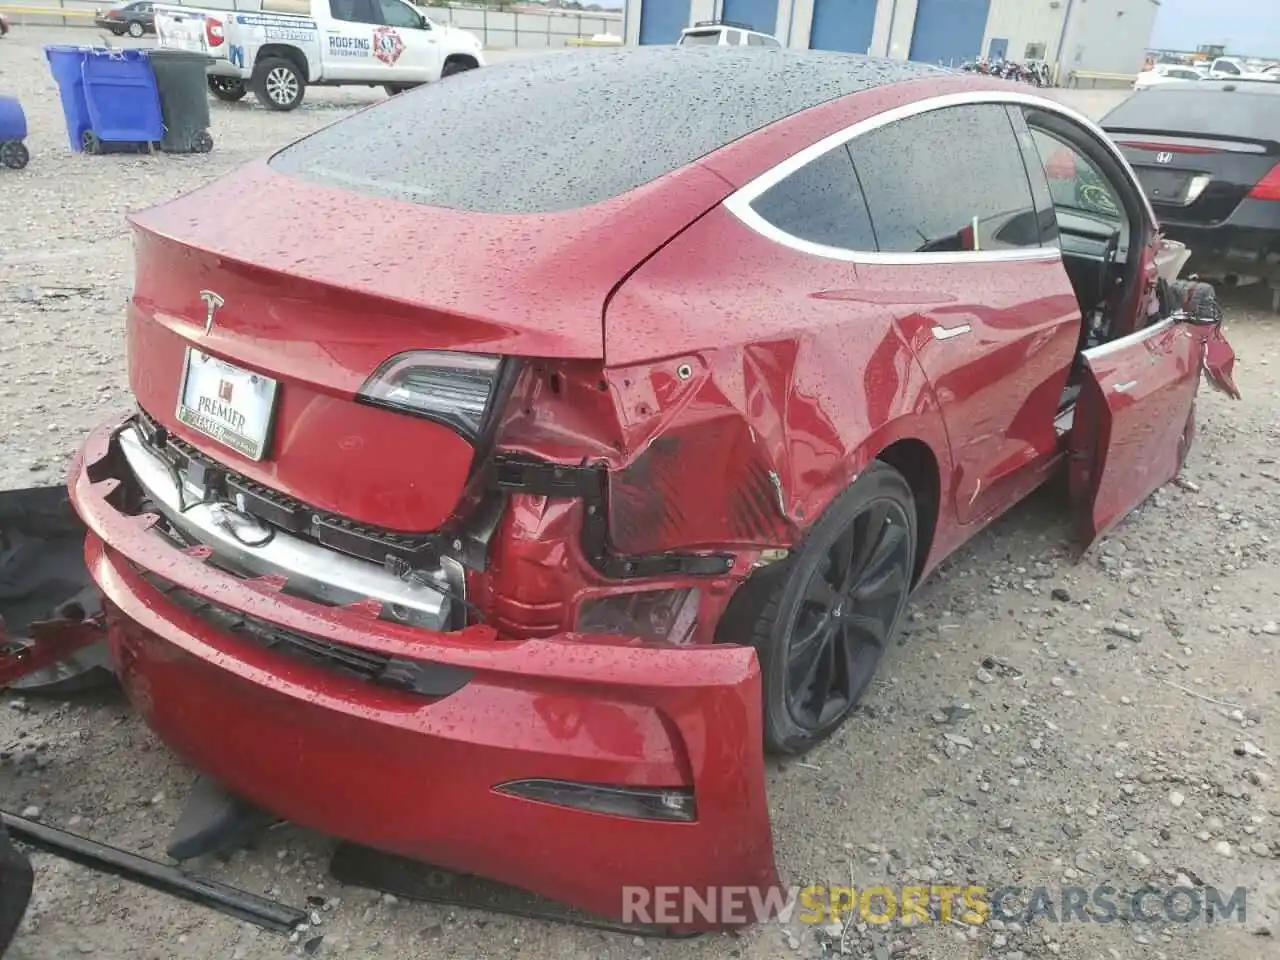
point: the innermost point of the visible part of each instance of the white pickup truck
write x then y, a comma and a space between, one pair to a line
288, 45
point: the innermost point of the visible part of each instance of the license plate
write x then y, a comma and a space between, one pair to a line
227, 404
1165, 186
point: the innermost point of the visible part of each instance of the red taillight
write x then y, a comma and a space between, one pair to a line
1268, 188
214, 32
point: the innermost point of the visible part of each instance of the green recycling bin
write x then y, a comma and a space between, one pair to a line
184, 99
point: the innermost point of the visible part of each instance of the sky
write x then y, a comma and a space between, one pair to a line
1247, 27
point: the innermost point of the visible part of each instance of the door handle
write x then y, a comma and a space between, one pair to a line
1124, 387
946, 333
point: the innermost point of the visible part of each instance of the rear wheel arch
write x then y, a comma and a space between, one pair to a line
285, 52
916, 461
458, 62
912, 457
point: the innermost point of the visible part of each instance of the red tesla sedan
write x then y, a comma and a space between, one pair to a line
517, 458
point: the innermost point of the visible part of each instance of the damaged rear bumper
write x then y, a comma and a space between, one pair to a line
481, 766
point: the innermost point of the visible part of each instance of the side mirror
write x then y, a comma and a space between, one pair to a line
426, 24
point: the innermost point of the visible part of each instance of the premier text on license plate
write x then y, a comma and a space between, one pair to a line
227, 404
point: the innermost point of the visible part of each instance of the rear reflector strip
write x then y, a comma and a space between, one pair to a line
1166, 147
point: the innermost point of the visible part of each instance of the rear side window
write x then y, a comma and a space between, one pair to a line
1202, 109
397, 14
734, 37
821, 203
946, 181
355, 11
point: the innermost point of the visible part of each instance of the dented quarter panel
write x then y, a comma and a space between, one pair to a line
818, 382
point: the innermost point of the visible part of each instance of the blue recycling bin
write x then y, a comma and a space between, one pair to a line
13, 131
108, 97
65, 65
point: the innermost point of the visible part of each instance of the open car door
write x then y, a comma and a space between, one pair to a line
1134, 419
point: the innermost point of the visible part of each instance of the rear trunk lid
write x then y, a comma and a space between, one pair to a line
1198, 151
311, 288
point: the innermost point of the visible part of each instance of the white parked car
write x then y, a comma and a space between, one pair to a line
1228, 68
1163, 73
288, 45
724, 33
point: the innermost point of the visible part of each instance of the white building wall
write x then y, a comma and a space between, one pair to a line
1108, 36
795, 17
895, 22
1024, 22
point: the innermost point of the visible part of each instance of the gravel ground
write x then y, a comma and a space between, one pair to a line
1043, 723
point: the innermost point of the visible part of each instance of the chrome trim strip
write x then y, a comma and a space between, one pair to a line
315, 571
739, 202
1102, 349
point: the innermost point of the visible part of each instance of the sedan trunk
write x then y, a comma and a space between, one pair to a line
274, 301
1200, 153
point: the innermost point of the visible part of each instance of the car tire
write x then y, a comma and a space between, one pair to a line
228, 89
452, 67
136, 29
117, 31
277, 84
806, 611
14, 154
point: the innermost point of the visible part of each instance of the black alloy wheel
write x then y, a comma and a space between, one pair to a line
823, 621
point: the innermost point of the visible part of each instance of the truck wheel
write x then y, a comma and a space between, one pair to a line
457, 65
14, 154
277, 84
229, 89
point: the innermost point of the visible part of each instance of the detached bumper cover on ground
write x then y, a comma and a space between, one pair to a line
419, 775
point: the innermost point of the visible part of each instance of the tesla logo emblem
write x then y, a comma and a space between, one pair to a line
211, 304
1164, 158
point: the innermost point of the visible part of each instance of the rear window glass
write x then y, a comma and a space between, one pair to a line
566, 130
1204, 109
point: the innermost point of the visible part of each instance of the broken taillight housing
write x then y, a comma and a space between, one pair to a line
660, 616
454, 389
1268, 188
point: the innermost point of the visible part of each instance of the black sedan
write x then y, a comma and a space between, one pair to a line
1208, 156
136, 19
